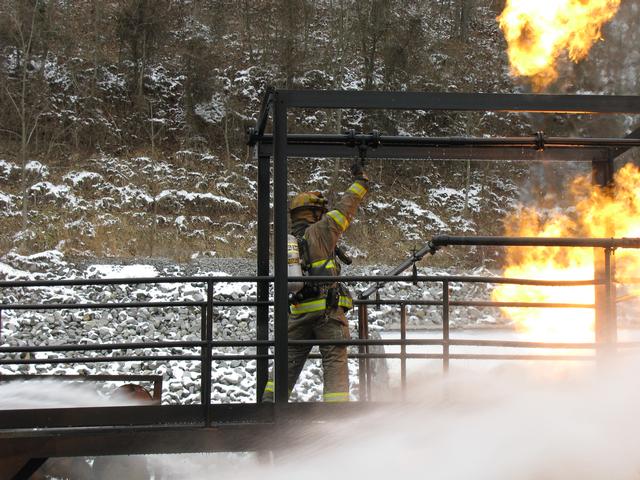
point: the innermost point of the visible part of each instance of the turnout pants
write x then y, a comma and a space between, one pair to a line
325, 325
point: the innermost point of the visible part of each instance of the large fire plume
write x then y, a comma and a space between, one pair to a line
539, 32
599, 213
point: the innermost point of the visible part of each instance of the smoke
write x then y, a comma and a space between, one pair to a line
534, 422
54, 394
542, 420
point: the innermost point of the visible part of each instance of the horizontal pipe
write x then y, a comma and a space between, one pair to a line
100, 346
132, 346
346, 278
351, 342
447, 240
62, 360
83, 306
417, 356
443, 278
416, 152
458, 356
452, 342
453, 101
88, 306
84, 378
434, 303
478, 142
131, 281
142, 358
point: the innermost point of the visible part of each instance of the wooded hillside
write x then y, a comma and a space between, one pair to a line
179, 81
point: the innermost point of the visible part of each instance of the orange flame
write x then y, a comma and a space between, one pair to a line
600, 213
538, 32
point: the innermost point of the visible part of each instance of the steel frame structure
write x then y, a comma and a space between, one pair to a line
284, 144
206, 427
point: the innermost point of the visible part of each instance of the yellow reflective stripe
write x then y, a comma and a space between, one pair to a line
330, 264
309, 307
358, 190
345, 302
339, 218
270, 387
336, 397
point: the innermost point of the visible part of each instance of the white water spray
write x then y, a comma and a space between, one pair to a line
30, 394
510, 423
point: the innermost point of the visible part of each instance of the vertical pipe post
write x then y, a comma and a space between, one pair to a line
445, 326
262, 312
367, 360
203, 356
605, 308
206, 368
403, 349
281, 302
610, 293
157, 389
362, 373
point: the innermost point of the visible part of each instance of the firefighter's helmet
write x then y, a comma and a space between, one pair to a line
308, 200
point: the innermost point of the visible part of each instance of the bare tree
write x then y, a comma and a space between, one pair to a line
28, 103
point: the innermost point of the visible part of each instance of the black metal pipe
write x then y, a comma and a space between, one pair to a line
447, 240
453, 303
446, 306
362, 367
205, 368
281, 300
263, 233
133, 346
203, 354
348, 279
441, 278
439, 341
87, 306
123, 358
354, 341
443, 142
415, 257
403, 349
476, 303
130, 281
452, 101
85, 378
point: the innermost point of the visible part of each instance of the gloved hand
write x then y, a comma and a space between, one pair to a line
357, 170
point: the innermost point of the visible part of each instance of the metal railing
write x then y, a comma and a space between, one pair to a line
204, 346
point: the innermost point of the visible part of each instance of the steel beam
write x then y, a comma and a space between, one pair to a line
533, 142
263, 234
463, 101
249, 427
444, 240
31, 467
446, 153
281, 300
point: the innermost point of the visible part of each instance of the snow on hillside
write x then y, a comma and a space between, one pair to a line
192, 203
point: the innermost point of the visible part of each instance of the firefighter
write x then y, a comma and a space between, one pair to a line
318, 310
